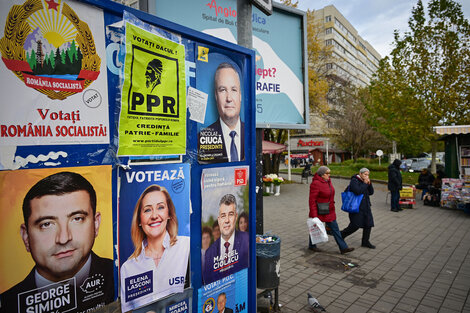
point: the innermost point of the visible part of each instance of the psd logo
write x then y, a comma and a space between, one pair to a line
240, 176
154, 89
49, 48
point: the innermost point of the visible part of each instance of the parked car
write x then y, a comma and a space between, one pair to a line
417, 164
405, 165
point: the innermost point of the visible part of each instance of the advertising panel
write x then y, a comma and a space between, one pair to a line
153, 233
53, 74
278, 40
153, 106
225, 212
56, 225
221, 138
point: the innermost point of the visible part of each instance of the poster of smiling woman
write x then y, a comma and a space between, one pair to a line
154, 233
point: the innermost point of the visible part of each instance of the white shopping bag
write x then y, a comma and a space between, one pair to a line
317, 230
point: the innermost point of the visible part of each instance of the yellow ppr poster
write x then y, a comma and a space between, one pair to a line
153, 103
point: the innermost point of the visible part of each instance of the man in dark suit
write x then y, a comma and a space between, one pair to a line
59, 230
224, 140
229, 253
221, 301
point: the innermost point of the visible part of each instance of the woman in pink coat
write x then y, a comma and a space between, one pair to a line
322, 205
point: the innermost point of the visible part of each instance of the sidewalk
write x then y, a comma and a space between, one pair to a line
421, 264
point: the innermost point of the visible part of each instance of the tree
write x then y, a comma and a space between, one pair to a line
352, 131
271, 161
425, 81
318, 55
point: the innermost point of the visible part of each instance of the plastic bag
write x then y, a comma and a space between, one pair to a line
351, 201
317, 230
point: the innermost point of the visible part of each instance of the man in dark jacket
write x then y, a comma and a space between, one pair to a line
425, 181
394, 184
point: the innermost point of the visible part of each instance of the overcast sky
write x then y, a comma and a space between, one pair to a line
376, 20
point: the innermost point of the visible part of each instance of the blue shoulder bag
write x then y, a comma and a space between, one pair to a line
351, 201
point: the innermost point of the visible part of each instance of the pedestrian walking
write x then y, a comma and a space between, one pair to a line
361, 185
394, 184
322, 205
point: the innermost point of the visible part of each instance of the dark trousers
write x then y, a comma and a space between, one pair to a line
353, 228
395, 197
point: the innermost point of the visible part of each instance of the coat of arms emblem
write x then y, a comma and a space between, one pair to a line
48, 47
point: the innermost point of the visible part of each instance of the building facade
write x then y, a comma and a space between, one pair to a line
353, 62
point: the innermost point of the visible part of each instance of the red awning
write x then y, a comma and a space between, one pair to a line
272, 147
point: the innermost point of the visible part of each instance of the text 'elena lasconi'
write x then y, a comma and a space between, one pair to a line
149, 176
138, 286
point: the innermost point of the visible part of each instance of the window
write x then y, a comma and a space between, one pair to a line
328, 19
329, 30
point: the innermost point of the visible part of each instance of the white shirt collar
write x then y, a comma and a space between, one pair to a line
231, 241
166, 245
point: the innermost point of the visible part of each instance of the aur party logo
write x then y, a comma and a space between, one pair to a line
48, 47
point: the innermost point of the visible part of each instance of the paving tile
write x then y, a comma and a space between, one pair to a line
383, 306
356, 308
426, 309
454, 305
404, 307
447, 310
415, 268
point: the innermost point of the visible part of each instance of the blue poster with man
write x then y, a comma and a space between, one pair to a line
154, 233
221, 138
227, 295
225, 213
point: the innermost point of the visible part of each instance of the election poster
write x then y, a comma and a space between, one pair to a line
154, 232
176, 303
224, 221
53, 74
153, 100
228, 294
57, 227
221, 138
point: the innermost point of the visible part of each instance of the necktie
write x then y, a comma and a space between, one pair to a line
226, 245
233, 148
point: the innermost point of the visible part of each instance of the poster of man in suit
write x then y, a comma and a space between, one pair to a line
56, 225
224, 198
222, 136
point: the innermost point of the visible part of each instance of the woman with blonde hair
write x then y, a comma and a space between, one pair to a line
160, 257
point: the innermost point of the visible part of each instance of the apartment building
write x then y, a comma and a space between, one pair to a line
353, 61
